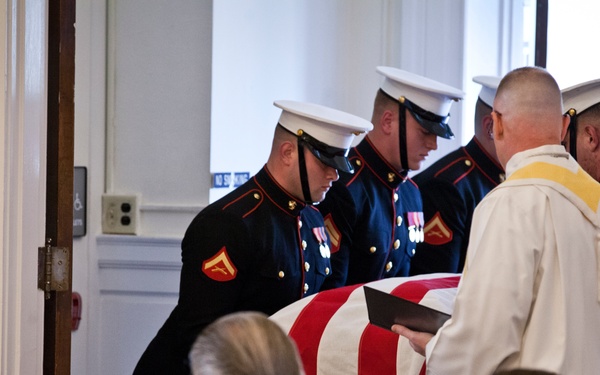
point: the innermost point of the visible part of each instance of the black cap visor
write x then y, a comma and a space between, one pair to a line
433, 123
334, 157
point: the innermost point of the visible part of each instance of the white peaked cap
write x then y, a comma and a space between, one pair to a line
489, 85
432, 96
582, 96
330, 126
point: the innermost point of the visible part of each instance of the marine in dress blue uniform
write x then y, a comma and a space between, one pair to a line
259, 248
452, 187
374, 217
374, 209
582, 103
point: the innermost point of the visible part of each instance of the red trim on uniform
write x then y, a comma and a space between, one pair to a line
310, 324
412, 182
301, 254
258, 202
491, 158
456, 161
377, 345
284, 209
385, 182
357, 170
448, 166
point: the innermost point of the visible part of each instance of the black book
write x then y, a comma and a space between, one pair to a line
386, 310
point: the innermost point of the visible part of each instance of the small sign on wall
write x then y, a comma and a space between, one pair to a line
222, 180
79, 201
229, 179
239, 178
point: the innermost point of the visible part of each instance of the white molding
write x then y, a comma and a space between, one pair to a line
24, 194
139, 265
164, 208
124, 240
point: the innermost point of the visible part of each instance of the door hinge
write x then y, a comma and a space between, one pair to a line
53, 268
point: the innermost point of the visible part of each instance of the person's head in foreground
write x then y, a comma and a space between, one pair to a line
527, 112
244, 343
582, 104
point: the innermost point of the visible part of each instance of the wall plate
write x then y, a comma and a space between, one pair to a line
120, 214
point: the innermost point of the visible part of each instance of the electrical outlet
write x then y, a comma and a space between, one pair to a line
120, 214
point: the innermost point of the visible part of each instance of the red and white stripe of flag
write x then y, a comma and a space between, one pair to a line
333, 334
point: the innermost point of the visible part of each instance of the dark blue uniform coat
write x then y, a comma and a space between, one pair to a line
258, 248
451, 188
374, 219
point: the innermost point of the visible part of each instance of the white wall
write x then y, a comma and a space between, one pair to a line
90, 129
158, 108
573, 29
23, 126
324, 52
431, 42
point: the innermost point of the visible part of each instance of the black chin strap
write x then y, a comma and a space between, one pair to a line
402, 138
303, 173
401, 133
573, 133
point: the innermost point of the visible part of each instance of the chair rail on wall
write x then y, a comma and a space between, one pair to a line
138, 282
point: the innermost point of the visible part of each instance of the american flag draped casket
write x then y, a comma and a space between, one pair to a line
333, 334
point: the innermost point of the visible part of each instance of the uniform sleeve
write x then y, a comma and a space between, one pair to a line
339, 214
497, 289
215, 260
446, 233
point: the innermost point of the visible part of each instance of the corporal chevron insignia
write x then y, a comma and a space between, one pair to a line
334, 233
219, 267
437, 232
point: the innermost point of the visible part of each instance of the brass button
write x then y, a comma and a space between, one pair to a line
399, 220
396, 244
372, 249
299, 223
281, 274
391, 177
502, 177
388, 267
303, 245
291, 205
326, 270
468, 163
305, 288
256, 196
306, 266
358, 162
396, 197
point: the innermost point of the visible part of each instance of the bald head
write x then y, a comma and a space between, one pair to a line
531, 92
527, 112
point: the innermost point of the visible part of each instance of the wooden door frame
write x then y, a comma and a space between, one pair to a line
59, 177
541, 33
